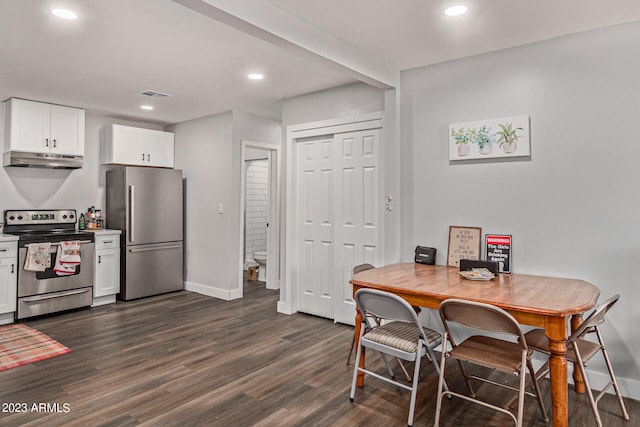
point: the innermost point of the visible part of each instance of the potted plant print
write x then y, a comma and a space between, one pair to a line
462, 141
481, 137
508, 137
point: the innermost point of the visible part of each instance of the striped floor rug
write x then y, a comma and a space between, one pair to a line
20, 344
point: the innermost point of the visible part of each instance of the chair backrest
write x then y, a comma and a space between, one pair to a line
360, 268
385, 305
479, 316
596, 318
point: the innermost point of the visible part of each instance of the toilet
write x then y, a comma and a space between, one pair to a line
261, 258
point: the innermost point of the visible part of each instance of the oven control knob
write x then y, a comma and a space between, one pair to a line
20, 217
12, 217
64, 217
71, 216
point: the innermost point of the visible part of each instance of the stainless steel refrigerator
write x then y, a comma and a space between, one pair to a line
147, 205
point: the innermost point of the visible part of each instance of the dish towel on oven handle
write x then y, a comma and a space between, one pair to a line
38, 258
68, 257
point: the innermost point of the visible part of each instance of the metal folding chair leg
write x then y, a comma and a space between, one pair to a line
613, 382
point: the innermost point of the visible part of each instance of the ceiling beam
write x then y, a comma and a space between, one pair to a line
276, 26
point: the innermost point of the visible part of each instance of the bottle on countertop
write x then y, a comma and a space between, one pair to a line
90, 220
81, 222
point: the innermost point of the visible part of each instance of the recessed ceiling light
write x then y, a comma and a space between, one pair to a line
255, 76
147, 107
456, 10
64, 13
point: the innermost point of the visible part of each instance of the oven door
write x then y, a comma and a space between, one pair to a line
45, 292
32, 283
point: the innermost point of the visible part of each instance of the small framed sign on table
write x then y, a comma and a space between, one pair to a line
499, 250
464, 243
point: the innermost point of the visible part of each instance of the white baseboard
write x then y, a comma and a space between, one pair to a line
273, 286
284, 308
629, 388
211, 291
7, 318
107, 299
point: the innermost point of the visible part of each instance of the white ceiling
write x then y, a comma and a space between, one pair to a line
199, 51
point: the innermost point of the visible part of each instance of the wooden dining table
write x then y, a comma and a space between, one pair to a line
540, 301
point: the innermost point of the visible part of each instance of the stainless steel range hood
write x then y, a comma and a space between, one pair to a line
41, 160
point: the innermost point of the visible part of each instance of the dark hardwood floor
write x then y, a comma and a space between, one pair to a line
184, 359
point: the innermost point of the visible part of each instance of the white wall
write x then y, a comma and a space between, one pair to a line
341, 101
204, 153
208, 150
32, 188
573, 207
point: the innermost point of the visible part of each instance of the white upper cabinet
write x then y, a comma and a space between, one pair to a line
37, 127
126, 145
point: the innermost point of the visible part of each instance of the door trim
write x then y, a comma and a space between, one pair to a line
288, 293
274, 222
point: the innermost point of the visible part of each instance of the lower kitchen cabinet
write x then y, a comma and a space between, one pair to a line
106, 284
8, 280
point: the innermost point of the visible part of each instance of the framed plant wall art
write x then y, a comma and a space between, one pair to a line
486, 139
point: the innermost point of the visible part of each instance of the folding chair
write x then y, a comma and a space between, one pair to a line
357, 269
512, 356
580, 351
401, 336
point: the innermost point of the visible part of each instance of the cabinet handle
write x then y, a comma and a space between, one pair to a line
148, 157
54, 143
99, 259
4, 250
143, 157
108, 241
12, 269
46, 142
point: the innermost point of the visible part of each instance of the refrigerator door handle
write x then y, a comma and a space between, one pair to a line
132, 220
155, 248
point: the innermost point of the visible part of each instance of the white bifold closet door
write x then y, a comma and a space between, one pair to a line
339, 210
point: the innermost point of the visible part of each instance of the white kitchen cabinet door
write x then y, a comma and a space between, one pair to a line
29, 126
67, 130
107, 272
160, 149
126, 145
37, 127
8, 284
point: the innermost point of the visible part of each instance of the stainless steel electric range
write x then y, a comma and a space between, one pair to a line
44, 292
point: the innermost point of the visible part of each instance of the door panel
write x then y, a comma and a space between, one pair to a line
160, 149
315, 226
154, 205
339, 211
8, 277
67, 130
31, 126
358, 213
152, 270
131, 145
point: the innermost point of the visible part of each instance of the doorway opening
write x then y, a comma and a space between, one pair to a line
259, 240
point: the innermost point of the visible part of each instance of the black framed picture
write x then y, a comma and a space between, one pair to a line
498, 249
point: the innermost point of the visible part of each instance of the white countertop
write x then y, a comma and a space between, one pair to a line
8, 238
